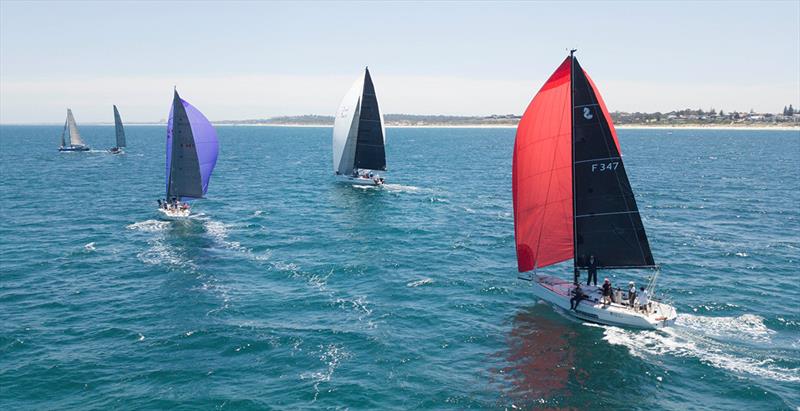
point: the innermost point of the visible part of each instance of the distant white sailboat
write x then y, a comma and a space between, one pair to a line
359, 135
120, 133
70, 138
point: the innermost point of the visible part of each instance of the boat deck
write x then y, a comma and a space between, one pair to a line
592, 308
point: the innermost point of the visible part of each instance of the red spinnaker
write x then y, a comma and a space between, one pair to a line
542, 173
542, 176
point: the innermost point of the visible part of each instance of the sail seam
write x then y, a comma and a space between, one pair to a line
602, 214
598, 159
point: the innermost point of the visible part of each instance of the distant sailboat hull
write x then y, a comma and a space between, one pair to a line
116, 150
74, 148
557, 292
361, 181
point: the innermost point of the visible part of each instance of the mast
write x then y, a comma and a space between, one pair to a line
572, 160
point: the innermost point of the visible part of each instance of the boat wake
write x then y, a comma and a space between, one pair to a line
722, 342
331, 356
219, 231
149, 226
401, 188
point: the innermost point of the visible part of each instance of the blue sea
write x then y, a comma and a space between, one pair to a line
287, 290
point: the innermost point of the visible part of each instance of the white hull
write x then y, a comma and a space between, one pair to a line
362, 181
175, 213
558, 292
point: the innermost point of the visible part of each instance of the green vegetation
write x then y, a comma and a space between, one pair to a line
686, 117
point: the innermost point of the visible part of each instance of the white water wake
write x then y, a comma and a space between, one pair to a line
721, 342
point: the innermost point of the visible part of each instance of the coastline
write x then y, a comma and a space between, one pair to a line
479, 126
470, 126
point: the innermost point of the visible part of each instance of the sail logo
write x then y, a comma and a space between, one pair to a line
587, 114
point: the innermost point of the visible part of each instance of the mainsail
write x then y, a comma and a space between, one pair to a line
572, 198
118, 127
74, 136
192, 149
359, 135
607, 221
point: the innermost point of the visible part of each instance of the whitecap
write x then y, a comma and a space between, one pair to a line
89, 247
419, 282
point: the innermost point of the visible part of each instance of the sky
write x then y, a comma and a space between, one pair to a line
246, 60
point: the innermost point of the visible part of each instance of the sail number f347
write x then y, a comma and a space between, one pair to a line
610, 166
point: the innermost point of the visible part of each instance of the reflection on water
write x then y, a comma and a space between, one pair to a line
542, 357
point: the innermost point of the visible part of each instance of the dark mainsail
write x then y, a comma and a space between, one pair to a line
183, 167
120, 132
370, 152
607, 221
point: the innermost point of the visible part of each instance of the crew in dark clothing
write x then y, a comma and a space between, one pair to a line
607, 290
592, 271
576, 299
577, 276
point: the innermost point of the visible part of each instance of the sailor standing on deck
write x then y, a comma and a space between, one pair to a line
592, 271
644, 300
607, 292
631, 294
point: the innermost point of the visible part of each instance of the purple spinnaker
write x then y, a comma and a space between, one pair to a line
194, 173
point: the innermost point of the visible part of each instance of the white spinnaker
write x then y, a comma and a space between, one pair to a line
345, 129
74, 136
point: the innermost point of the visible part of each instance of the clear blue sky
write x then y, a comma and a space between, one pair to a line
259, 59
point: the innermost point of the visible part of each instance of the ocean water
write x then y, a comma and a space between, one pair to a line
287, 290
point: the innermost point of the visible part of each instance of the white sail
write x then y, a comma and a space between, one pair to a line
345, 129
74, 136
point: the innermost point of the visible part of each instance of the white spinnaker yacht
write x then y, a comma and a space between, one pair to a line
359, 135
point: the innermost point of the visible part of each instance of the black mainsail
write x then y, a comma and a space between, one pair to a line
183, 177
118, 128
606, 219
370, 152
